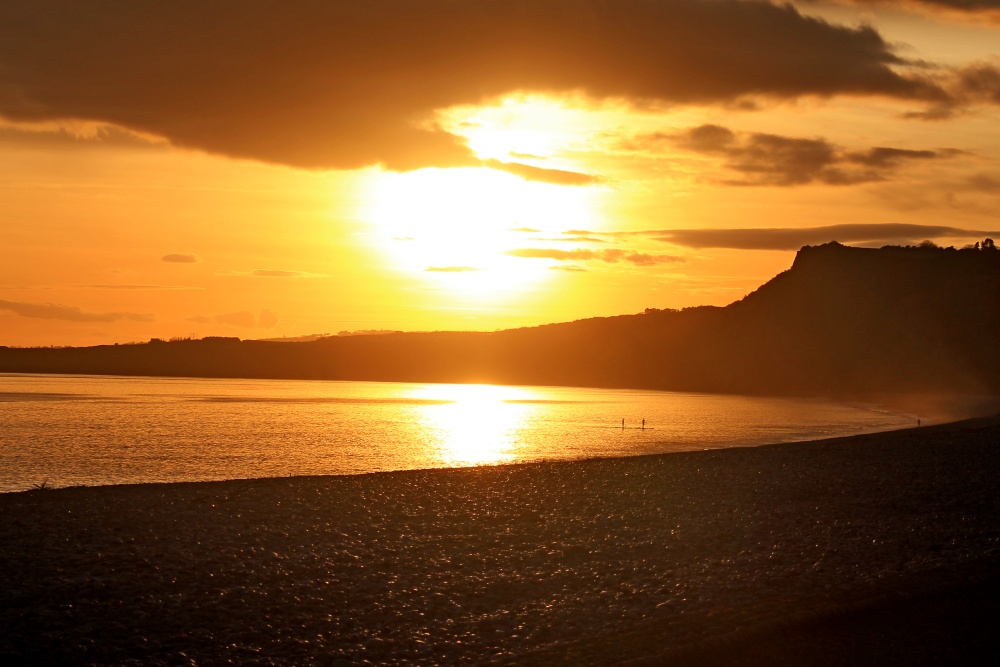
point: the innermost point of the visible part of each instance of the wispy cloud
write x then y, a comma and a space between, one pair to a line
583, 254
988, 183
181, 258
271, 273
243, 319
989, 9
794, 238
569, 238
973, 85
277, 273
450, 269
530, 173
142, 287
53, 311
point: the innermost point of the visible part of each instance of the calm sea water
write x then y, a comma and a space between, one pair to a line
70, 430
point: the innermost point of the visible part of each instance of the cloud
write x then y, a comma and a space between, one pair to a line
983, 183
276, 273
243, 319
70, 135
271, 273
450, 269
529, 173
52, 311
267, 319
570, 239
990, 8
795, 238
774, 160
181, 258
142, 287
979, 82
975, 84
344, 85
583, 254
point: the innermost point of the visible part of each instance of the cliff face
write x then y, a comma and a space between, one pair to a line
858, 319
842, 321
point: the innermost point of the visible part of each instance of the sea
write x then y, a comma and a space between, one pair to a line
69, 430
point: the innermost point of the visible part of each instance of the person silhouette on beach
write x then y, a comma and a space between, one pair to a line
623, 424
643, 424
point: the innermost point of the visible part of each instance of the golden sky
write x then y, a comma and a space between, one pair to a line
264, 169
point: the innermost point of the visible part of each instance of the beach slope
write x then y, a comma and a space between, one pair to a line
882, 546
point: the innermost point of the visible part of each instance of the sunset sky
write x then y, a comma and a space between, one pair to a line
280, 168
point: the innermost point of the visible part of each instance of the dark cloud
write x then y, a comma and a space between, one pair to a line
770, 159
974, 84
52, 311
887, 158
529, 173
795, 238
450, 269
583, 254
181, 258
979, 82
349, 84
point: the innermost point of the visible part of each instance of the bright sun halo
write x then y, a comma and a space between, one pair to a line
454, 226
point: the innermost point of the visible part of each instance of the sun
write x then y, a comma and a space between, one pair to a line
453, 230
455, 227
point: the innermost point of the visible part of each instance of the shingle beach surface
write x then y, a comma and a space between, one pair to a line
601, 561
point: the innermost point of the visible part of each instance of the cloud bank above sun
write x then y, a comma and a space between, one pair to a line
343, 85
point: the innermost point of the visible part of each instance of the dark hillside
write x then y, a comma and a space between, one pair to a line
842, 321
863, 319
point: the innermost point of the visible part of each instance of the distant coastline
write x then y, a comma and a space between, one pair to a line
843, 322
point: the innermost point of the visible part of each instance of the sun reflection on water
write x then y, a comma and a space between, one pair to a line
480, 424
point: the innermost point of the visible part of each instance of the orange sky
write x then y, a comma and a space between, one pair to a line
262, 169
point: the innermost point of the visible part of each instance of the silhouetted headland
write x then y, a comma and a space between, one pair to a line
843, 321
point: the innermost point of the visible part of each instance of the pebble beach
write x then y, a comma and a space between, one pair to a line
736, 556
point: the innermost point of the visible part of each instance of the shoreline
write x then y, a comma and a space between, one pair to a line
685, 555
969, 417
34, 457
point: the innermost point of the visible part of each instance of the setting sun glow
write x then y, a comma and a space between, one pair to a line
453, 227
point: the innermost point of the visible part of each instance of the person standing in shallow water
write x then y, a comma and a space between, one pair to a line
643, 424
623, 424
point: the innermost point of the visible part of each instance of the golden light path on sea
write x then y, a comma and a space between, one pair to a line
476, 424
